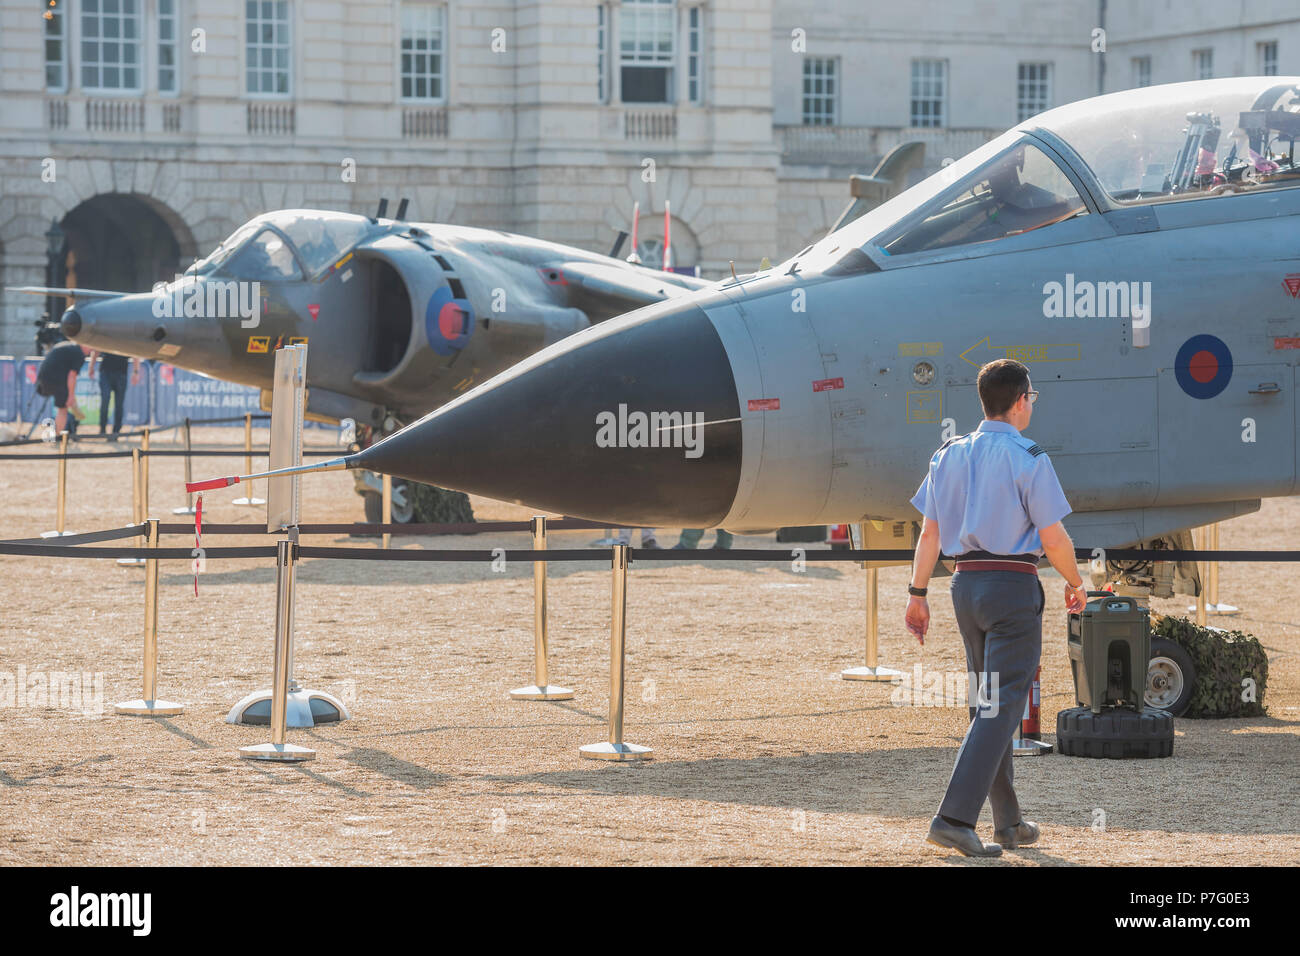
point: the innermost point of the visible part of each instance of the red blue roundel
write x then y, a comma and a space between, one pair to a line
448, 322
1203, 366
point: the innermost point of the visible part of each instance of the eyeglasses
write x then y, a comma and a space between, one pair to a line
1033, 395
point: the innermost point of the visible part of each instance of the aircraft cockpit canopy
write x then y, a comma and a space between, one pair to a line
286, 245
1186, 140
1183, 141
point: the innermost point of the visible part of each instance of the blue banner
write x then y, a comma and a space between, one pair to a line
181, 394
8, 389
33, 407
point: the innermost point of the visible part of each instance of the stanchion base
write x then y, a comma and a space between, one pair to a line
546, 692
870, 673
131, 562
56, 534
1021, 747
149, 708
608, 751
188, 510
284, 753
1227, 610
303, 708
249, 502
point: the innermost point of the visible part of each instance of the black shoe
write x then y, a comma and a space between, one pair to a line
962, 839
113, 437
651, 545
1022, 834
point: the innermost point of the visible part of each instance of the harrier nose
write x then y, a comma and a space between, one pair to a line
71, 323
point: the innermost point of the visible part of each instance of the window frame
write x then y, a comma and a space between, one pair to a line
619, 62
1044, 82
1202, 59
1140, 66
141, 66
442, 17
942, 98
59, 15
290, 68
833, 98
1263, 49
158, 67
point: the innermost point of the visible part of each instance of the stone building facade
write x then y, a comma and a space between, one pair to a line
145, 131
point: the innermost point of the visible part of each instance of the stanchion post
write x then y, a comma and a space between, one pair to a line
872, 671
137, 509
1201, 536
615, 748
249, 498
148, 705
144, 472
278, 749
189, 475
541, 689
387, 511
61, 504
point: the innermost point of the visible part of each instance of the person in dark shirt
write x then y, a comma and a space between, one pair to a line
112, 384
57, 378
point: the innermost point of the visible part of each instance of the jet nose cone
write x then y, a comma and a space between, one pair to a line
635, 421
70, 325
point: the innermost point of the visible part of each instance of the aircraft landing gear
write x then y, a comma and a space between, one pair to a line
403, 504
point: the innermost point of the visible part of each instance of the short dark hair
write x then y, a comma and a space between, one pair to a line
1001, 384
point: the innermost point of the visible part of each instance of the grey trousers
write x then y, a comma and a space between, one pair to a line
1000, 614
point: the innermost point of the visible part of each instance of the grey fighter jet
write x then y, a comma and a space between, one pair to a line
1137, 251
401, 316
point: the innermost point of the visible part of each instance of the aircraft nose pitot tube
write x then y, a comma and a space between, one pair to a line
633, 421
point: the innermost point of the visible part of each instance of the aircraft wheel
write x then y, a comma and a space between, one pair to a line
403, 505
1171, 675
1115, 733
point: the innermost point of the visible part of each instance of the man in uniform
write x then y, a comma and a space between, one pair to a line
991, 499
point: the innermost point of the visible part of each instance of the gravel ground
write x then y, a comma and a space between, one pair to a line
762, 755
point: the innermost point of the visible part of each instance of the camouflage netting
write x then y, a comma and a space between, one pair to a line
1223, 660
439, 506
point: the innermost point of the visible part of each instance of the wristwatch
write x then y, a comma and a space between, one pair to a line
917, 592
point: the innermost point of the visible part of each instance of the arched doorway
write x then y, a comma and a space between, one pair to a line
122, 242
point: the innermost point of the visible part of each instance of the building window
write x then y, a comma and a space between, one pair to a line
602, 50
110, 45
1203, 64
647, 50
168, 76
694, 55
1033, 90
1267, 58
56, 64
929, 92
266, 47
820, 92
422, 51
1141, 71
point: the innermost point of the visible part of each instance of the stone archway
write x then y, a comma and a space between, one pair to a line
123, 242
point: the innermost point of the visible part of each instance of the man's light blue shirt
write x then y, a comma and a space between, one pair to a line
991, 491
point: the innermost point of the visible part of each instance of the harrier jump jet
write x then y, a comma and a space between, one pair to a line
1136, 250
400, 316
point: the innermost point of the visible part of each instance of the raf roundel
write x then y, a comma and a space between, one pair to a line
447, 322
1203, 366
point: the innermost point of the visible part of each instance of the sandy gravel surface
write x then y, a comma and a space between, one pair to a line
761, 753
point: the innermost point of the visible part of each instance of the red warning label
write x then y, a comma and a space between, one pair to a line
1292, 283
764, 404
1286, 342
314, 311
828, 384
